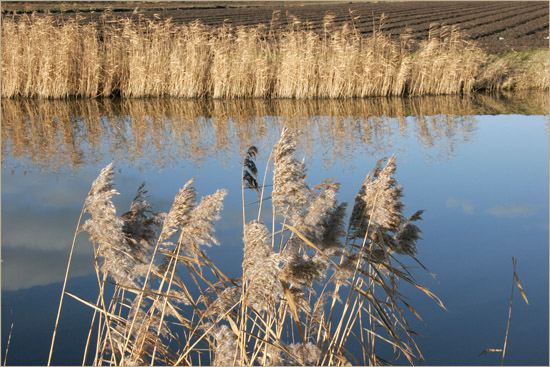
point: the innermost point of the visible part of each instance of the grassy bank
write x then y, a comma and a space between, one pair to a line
140, 58
516, 71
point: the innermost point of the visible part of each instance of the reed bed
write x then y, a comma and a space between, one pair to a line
313, 283
51, 58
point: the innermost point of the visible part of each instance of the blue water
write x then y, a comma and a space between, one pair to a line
481, 179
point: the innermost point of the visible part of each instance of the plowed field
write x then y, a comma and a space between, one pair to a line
496, 26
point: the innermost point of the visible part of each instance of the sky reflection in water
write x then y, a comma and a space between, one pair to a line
482, 179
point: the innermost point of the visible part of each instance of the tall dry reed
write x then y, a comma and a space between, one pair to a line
313, 282
44, 59
445, 64
51, 58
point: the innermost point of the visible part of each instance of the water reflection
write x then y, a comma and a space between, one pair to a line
55, 134
485, 204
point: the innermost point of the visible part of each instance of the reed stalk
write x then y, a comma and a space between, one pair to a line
515, 280
63, 289
9, 340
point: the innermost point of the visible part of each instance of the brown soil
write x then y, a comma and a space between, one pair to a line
497, 26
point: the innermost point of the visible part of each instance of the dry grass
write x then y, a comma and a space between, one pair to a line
312, 282
43, 56
445, 64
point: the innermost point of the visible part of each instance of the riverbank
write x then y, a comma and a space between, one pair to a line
49, 56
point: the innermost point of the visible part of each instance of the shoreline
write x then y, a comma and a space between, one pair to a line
148, 55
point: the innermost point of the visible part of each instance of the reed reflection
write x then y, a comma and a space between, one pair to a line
142, 132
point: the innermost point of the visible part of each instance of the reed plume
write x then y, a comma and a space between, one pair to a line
290, 191
172, 305
226, 347
115, 256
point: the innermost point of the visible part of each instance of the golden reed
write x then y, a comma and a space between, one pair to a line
48, 57
171, 304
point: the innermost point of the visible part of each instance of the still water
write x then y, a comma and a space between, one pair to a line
478, 165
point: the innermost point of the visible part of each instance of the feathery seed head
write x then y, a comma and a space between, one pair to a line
103, 182
140, 228
407, 235
378, 201
382, 198
305, 354
225, 300
256, 245
226, 346
323, 220
179, 212
105, 228
200, 227
250, 174
290, 191
272, 356
264, 287
302, 270
334, 228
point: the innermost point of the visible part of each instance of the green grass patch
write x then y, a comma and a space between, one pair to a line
516, 70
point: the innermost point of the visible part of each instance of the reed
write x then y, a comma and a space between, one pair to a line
312, 282
445, 64
50, 57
